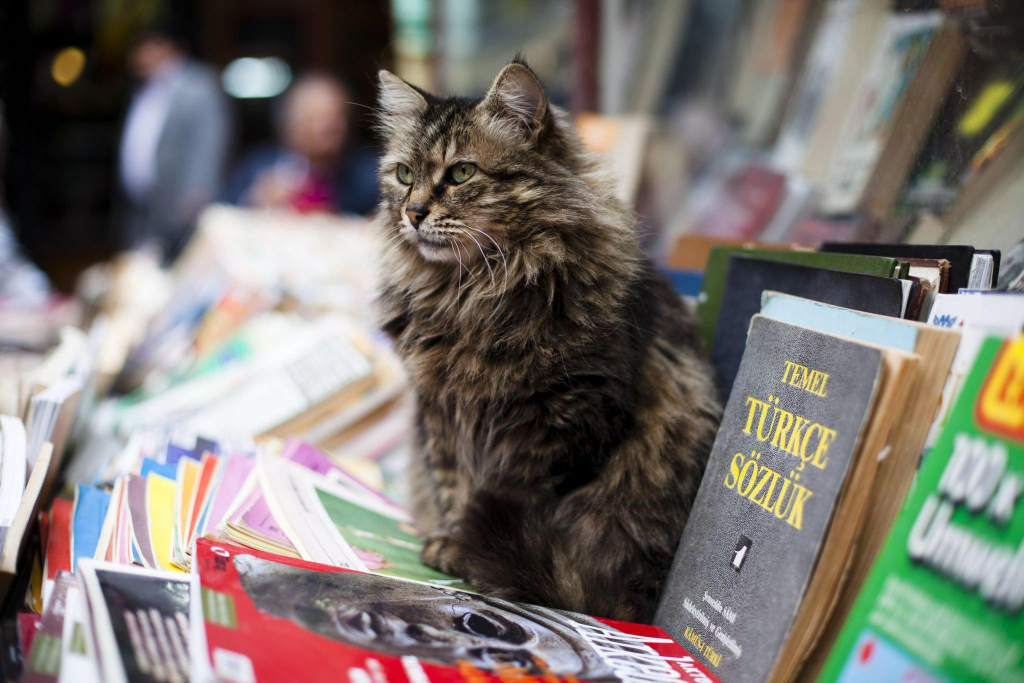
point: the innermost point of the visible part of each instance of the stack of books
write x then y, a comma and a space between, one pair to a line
239, 513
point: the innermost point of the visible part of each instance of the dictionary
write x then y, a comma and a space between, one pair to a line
783, 497
262, 617
943, 600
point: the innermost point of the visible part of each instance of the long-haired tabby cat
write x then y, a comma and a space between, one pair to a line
564, 409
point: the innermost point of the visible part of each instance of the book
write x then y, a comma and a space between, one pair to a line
13, 464
959, 256
747, 203
975, 316
782, 497
18, 533
717, 268
943, 600
902, 47
42, 659
139, 620
936, 348
265, 617
78, 660
931, 82
827, 85
748, 277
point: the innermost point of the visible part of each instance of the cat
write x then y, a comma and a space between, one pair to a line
564, 407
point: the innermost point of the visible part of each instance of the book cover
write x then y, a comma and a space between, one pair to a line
139, 620
786, 443
270, 618
944, 598
713, 285
749, 277
975, 316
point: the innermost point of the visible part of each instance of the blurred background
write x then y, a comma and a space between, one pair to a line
769, 120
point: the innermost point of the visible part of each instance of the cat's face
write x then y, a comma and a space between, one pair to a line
455, 174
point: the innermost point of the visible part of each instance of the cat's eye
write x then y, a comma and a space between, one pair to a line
404, 174
462, 171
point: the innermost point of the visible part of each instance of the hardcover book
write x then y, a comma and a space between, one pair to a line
749, 277
944, 599
260, 617
783, 463
959, 256
718, 263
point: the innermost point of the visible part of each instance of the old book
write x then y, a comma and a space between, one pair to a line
943, 600
749, 277
874, 120
717, 268
783, 497
958, 255
936, 348
920, 105
835, 65
259, 617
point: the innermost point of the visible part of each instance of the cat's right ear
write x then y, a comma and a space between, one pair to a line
398, 98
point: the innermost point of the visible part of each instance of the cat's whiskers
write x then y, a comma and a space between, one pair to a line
484, 256
504, 263
390, 246
501, 253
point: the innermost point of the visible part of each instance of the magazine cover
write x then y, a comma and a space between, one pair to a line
272, 618
944, 598
140, 621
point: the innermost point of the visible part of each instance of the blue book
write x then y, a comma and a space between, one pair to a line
892, 333
87, 517
168, 470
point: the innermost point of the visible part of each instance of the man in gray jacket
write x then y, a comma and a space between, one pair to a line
174, 145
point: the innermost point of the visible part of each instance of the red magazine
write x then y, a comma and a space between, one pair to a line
273, 618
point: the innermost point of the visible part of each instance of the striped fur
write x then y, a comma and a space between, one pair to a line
564, 408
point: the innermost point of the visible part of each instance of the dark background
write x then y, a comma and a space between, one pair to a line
61, 166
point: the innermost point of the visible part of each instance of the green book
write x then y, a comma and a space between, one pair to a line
943, 600
710, 300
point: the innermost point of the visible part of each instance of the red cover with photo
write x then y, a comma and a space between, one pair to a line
270, 618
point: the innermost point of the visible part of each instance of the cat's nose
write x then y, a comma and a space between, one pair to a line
416, 215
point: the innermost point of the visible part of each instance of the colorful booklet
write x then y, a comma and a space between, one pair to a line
944, 599
270, 618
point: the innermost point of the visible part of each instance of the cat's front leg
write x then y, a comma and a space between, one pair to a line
443, 552
441, 548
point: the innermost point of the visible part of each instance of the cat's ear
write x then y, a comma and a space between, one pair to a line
517, 102
398, 98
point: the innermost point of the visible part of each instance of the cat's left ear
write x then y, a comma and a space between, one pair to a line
517, 102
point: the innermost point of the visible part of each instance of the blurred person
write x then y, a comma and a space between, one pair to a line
175, 142
312, 168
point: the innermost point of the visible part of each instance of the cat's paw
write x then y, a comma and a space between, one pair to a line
442, 553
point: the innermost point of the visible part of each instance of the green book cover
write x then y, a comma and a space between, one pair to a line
718, 265
943, 600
